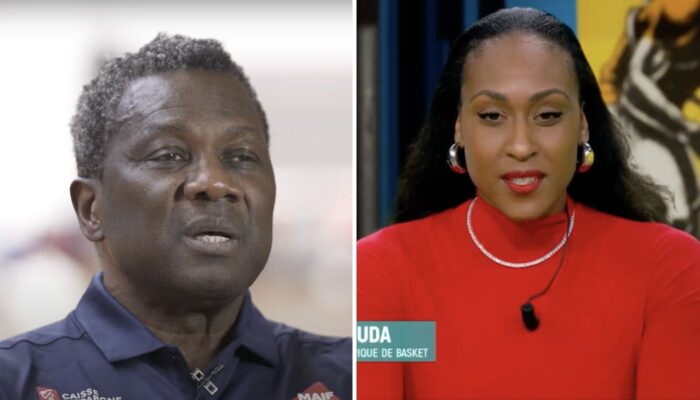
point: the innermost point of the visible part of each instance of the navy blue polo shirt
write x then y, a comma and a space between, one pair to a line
102, 352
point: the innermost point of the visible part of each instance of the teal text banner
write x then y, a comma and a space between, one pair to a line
398, 341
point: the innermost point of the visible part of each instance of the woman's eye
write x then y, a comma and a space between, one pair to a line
489, 116
550, 115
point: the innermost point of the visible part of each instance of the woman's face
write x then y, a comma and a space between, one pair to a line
520, 121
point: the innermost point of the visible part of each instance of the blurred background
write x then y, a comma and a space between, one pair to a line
298, 56
645, 54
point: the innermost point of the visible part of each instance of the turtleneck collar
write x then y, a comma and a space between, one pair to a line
518, 241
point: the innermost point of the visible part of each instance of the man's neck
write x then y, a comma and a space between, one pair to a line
198, 332
199, 346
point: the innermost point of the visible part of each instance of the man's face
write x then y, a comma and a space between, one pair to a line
188, 190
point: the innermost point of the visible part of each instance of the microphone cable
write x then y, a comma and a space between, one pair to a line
527, 310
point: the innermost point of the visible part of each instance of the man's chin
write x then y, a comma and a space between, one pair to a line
212, 290
198, 290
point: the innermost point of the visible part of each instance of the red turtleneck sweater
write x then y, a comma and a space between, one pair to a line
621, 320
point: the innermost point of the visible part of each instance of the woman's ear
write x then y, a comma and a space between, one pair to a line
84, 194
458, 128
584, 135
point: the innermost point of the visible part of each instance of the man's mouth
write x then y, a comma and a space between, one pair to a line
213, 237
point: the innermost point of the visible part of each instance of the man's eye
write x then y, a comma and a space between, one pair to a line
168, 156
489, 116
241, 157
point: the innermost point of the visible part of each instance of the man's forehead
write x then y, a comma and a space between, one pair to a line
192, 88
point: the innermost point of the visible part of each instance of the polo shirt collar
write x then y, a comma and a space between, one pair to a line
115, 330
254, 332
120, 335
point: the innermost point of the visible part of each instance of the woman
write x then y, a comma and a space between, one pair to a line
546, 269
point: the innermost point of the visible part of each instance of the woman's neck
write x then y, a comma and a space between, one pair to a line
517, 241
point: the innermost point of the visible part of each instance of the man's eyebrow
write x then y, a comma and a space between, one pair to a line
243, 130
169, 126
501, 97
238, 128
181, 126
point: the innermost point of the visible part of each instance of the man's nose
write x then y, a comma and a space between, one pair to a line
210, 180
521, 144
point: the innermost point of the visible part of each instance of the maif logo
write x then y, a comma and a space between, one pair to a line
317, 391
47, 394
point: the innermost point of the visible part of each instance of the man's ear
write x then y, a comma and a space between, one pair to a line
84, 193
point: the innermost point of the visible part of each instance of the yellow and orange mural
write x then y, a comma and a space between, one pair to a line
646, 56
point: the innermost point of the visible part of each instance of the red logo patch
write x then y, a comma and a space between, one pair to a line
47, 394
317, 391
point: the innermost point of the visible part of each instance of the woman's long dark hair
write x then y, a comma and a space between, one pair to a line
612, 185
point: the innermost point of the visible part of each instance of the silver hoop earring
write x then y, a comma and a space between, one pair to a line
586, 158
453, 159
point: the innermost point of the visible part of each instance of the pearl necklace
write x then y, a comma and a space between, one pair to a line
512, 264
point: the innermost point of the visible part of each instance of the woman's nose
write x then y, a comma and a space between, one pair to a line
521, 144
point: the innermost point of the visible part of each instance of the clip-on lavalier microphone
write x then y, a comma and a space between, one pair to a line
527, 310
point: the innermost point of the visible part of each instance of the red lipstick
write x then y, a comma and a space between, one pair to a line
523, 182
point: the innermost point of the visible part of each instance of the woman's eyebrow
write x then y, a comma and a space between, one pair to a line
489, 93
502, 97
545, 93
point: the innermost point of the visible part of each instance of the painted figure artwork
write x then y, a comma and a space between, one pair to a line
652, 83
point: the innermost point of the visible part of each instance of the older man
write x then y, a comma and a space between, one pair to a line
176, 189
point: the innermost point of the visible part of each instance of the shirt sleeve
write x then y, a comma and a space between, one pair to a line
379, 298
669, 358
